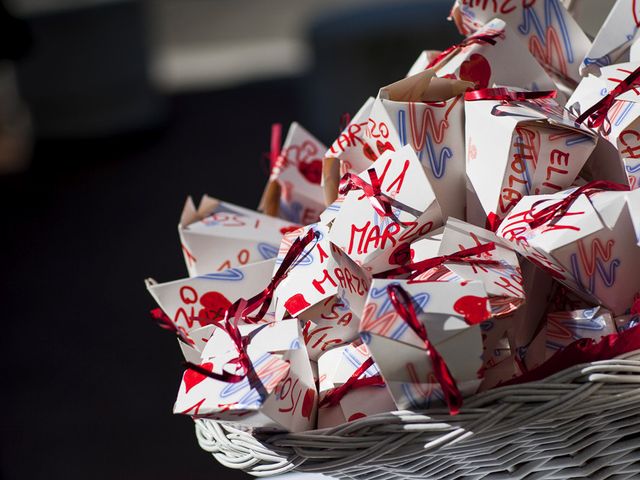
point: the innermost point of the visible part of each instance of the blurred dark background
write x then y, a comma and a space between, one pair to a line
111, 113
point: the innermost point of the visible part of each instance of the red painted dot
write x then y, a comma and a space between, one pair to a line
312, 171
356, 416
214, 306
296, 304
292, 228
473, 308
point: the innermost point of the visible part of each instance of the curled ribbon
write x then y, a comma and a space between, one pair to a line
558, 209
333, 396
487, 38
597, 114
262, 300
402, 303
423, 265
507, 94
242, 361
380, 202
163, 321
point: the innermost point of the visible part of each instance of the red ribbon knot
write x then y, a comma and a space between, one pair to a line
403, 304
558, 209
487, 38
242, 361
335, 395
262, 300
463, 256
597, 114
380, 202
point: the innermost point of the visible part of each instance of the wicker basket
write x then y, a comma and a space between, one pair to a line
583, 422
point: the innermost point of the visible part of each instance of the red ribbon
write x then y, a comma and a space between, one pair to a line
487, 38
585, 350
507, 94
242, 360
597, 114
276, 159
558, 209
429, 263
333, 396
163, 321
380, 202
262, 300
401, 301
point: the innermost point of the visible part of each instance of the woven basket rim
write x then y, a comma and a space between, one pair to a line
588, 398
475, 400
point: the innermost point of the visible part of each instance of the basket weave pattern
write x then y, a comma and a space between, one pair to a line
583, 422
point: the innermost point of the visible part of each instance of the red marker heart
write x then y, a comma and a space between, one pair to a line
369, 153
474, 309
308, 403
214, 308
192, 378
476, 69
383, 147
312, 170
296, 303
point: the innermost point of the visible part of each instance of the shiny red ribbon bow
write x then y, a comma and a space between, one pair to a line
507, 94
558, 209
262, 300
597, 114
487, 38
403, 304
380, 202
423, 265
242, 360
333, 396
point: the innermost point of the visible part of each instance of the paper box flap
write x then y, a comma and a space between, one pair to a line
427, 246
609, 206
194, 302
393, 357
580, 220
199, 337
255, 226
443, 307
486, 64
337, 365
617, 32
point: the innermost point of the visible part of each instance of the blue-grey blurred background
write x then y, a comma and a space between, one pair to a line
111, 113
